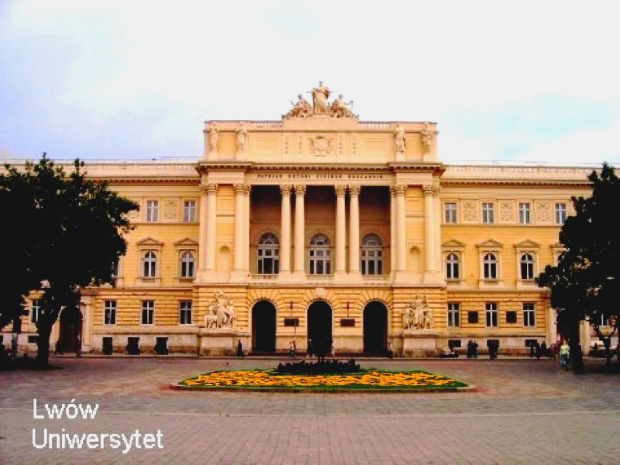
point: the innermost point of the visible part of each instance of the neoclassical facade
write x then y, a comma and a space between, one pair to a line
321, 226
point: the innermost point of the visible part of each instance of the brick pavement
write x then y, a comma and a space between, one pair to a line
523, 412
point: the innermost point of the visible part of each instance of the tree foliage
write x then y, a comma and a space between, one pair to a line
586, 281
64, 233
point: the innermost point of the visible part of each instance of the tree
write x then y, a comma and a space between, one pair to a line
585, 284
76, 237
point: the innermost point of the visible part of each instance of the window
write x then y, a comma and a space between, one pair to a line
603, 320
491, 315
489, 266
453, 314
268, 254
187, 265
524, 213
472, 317
149, 264
35, 312
487, 213
185, 312
452, 266
109, 312
320, 255
449, 210
511, 316
560, 213
529, 315
372, 255
152, 209
148, 310
527, 266
189, 211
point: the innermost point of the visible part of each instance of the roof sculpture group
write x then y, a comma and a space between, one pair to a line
320, 106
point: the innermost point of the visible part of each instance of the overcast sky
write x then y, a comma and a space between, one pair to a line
510, 81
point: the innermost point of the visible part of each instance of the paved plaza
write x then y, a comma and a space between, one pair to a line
523, 411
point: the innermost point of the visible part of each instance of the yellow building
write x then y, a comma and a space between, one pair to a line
320, 226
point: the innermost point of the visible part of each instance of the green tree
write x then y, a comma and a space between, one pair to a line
586, 281
75, 240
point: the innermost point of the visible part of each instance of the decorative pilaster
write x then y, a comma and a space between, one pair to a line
340, 230
285, 230
211, 227
247, 191
401, 229
393, 232
300, 230
354, 230
202, 237
429, 227
239, 226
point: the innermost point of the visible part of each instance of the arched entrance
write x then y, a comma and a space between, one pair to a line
375, 328
263, 327
70, 329
320, 324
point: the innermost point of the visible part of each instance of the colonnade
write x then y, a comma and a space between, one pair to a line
296, 267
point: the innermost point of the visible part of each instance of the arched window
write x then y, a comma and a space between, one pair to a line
187, 265
372, 255
268, 254
527, 266
149, 264
452, 266
320, 255
489, 266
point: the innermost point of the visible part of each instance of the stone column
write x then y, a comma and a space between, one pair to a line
401, 228
246, 239
552, 330
285, 231
340, 230
211, 227
202, 239
300, 231
239, 226
393, 232
86, 307
429, 229
354, 230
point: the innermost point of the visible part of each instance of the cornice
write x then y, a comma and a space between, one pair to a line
516, 183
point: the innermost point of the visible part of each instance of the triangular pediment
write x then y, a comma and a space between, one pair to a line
186, 242
149, 242
490, 244
527, 244
453, 244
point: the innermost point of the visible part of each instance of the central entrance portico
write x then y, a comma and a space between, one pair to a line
320, 324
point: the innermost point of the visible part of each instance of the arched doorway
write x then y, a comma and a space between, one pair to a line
263, 327
70, 329
320, 324
375, 328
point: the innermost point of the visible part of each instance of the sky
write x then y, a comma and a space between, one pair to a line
506, 81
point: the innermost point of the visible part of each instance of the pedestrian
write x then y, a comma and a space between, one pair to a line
469, 348
332, 349
564, 354
543, 349
390, 351
310, 351
474, 349
292, 349
240, 349
538, 350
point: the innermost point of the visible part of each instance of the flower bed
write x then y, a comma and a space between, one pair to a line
368, 379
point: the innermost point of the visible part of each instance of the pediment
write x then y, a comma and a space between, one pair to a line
490, 244
186, 242
149, 242
453, 244
527, 244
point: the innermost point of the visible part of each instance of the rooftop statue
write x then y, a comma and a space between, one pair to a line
340, 109
320, 95
301, 109
320, 106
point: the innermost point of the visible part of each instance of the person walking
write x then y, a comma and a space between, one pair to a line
240, 349
564, 354
310, 351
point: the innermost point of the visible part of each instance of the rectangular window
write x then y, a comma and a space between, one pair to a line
560, 213
109, 312
152, 211
148, 310
529, 315
449, 212
36, 311
487, 213
472, 317
491, 314
453, 314
185, 312
189, 211
511, 317
524, 213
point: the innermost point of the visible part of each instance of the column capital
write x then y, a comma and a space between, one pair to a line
400, 189
340, 190
355, 189
300, 189
239, 188
209, 188
285, 189
431, 189
247, 189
